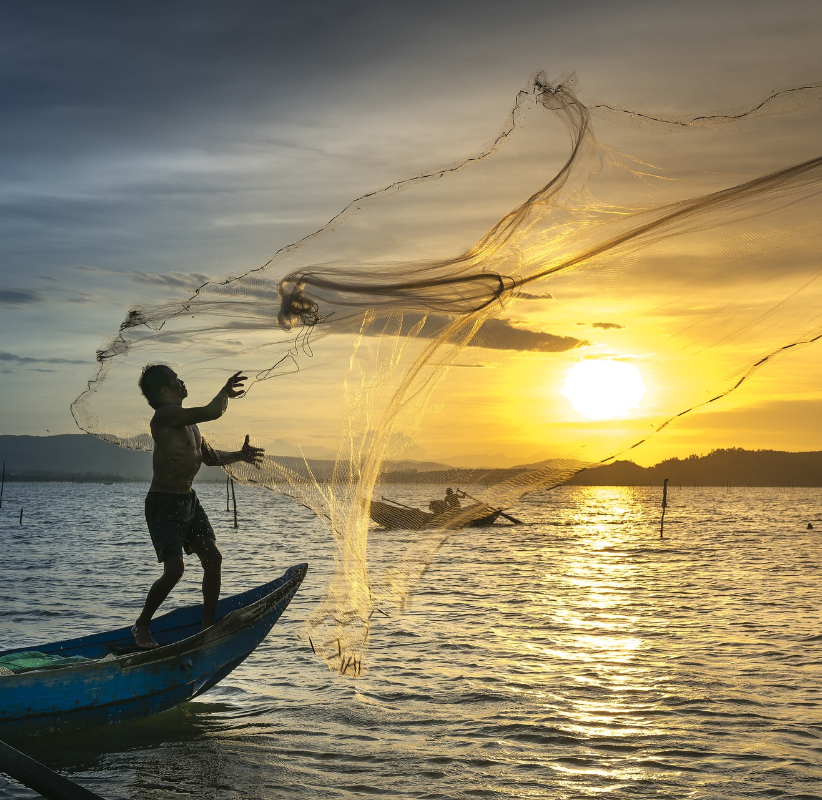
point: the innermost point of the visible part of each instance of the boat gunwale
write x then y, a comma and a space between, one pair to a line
452, 519
223, 628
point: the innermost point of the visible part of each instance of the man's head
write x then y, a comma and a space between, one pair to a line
161, 386
449, 491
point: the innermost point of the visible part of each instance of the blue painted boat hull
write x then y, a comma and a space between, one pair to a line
119, 687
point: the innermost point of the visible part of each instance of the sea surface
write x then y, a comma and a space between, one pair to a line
579, 655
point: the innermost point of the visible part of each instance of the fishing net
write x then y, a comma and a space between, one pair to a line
447, 310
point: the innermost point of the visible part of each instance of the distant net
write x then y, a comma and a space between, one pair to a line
448, 308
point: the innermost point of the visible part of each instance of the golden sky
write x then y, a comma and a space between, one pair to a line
138, 181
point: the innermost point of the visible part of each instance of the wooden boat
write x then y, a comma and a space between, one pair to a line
121, 683
393, 517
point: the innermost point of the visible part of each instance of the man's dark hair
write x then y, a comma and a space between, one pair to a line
154, 378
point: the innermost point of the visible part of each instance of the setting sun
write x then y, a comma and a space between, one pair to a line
603, 389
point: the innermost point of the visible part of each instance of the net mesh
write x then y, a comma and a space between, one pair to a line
448, 308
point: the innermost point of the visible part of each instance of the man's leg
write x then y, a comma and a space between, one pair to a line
211, 559
173, 569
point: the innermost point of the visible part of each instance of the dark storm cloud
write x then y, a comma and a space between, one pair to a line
19, 297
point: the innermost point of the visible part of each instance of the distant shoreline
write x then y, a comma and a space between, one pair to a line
40, 477
80, 458
117, 479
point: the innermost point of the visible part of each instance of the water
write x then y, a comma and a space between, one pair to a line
577, 656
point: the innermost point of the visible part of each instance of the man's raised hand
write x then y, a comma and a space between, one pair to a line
234, 385
252, 455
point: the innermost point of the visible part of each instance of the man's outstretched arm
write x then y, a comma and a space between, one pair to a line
220, 458
178, 417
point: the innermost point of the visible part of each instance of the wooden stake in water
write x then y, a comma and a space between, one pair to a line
21, 516
664, 506
227, 479
2, 484
234, 500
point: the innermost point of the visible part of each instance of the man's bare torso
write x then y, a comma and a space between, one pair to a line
177, 457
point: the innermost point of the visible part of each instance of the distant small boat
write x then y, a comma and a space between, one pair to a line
395, 517
121, 683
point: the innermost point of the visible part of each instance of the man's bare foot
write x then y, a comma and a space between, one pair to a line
143, 638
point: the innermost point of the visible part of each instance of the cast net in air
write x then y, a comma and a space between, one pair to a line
441, 316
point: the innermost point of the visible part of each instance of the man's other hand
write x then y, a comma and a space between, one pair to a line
234, 386
252, 455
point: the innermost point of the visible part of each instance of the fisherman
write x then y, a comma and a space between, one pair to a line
452, 498
450, 503
175, 518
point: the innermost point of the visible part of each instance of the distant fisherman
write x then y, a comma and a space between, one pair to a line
450, 503
452, 498
175, 518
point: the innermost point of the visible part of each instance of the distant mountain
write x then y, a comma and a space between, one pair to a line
75, 456
559, 463
729, 467
419, 466
85, 457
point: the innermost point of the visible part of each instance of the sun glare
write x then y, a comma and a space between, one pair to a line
603, 389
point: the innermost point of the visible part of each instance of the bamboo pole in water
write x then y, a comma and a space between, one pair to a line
234, 500
2, 484
39, 777
664, 506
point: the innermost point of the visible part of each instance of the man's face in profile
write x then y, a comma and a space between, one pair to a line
176, 387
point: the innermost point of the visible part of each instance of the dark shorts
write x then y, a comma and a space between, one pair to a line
176, 522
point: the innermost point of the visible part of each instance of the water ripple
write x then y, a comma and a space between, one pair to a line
575, 656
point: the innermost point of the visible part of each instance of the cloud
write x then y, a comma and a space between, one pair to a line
499, 334
13, 358
19, 297
174, 280
530, 296
463, 364
603, 325
85, 297
614, 357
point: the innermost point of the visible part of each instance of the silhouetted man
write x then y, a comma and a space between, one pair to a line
175, 518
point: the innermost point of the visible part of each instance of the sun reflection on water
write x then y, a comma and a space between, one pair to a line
593, 603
